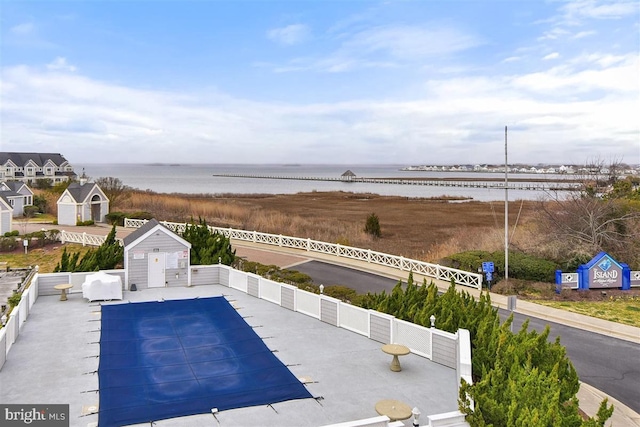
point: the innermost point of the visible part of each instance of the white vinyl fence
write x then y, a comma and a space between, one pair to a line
452, 350
438, 272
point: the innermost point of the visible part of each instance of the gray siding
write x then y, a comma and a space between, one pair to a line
329, 312
380, 328
253, 287
204, 275
287, 298
444, 351
5, 222
138, 268
48, 281
224, 277
18, 206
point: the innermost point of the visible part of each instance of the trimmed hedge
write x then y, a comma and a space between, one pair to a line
521, 265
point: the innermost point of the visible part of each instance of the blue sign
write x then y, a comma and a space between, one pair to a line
487, 267
489, 276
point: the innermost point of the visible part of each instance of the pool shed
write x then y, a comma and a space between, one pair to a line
82, 202
155, 257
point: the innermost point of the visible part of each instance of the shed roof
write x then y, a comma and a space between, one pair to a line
80, 192
4, 203
16, 186
10, 194
148, 227
348, 173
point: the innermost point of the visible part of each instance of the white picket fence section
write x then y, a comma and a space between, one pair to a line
83, 238
438, 272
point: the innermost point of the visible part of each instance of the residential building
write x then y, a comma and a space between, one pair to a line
30, 167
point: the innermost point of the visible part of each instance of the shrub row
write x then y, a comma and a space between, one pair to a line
521, 266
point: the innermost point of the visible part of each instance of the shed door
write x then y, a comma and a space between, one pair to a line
156, 269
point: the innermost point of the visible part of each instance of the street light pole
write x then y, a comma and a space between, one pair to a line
506, 211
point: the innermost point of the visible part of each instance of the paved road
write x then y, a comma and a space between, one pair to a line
609, 364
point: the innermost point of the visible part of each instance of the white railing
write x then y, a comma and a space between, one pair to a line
435, 271
83, 238
11, 330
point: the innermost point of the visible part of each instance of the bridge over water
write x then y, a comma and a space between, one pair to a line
490, 183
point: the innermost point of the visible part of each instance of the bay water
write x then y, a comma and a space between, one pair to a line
200, 179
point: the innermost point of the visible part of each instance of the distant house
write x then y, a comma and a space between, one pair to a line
348, 176
6, 216
155, 256
20, 188
82, 202
15, 200
30, 167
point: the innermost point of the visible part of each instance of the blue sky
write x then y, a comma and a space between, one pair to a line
403, 82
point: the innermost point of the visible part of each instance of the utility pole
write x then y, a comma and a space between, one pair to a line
506, 211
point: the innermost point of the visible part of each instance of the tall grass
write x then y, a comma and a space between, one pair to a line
232, 212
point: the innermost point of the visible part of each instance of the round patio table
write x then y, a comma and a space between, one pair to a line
63, 289
396, 350
394, 409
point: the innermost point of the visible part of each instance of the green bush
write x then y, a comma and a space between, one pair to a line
372, 226
8, 244
14, 299
42, 237
107, 256
139, 215
40, 202
519, 379
13, 233
208, 247
278, 274
30, 211
527, 267
469, 260
521, 265
116, 218
85, 223
343, 293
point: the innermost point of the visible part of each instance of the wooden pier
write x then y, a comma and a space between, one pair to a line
489, 183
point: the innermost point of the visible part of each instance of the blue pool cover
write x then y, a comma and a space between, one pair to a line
168, 359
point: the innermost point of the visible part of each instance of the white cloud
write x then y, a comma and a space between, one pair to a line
599, 9
455, 117
386, 47
583, 34
554, 55
60, 63
511, 59
409, 42
289, 35
23, 29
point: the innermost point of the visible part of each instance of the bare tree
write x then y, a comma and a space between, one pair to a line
593, 218
115, 190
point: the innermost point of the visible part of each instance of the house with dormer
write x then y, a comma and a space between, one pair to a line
30, 167
19, 190
82, 202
